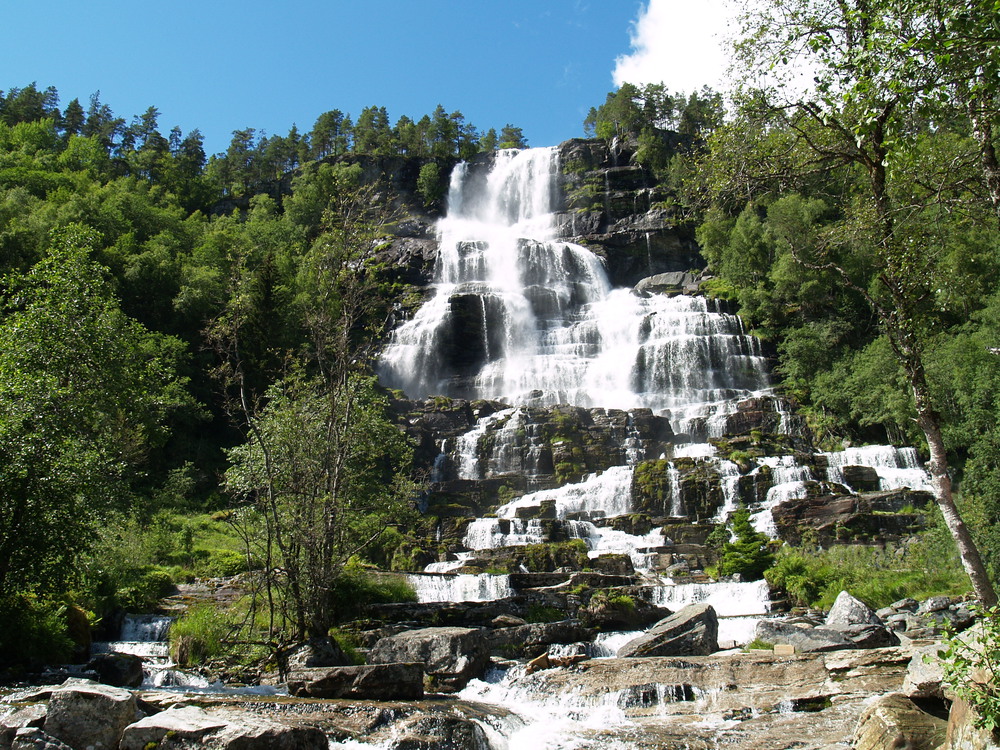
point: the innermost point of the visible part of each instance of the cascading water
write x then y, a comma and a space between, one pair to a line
522, 318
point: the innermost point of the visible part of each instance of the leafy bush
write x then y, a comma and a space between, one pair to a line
356, 588
540, 613
971, 666
33, 631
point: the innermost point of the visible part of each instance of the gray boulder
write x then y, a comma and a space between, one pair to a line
379, 682
33, 738
893, 721
30, 716
439, 733
848, 611
530, 640
672, 282
119, 670
693, 631
924, 673
316, 652
804, 639
451, 656
89, 716
228, 729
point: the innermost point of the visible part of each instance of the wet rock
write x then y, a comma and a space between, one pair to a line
452, 656
119, 670
893, 722
89, 716
530, 640
675, 282
848, 611
379, 682
228, 729
692, 631
440, 733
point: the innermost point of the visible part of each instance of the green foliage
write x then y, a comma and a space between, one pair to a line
199, 635
878, 577
541, 613
354, 589
749, 554
972, 667
33, 630
431, 185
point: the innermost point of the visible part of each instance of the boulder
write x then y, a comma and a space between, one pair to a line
693, 631
848, 611
439, 733
30, 716
228, 729
380, 682
33, 738
119, 670
924, 673
89, 716
804, 639
893, 721
316, 652
451, 656
530, 640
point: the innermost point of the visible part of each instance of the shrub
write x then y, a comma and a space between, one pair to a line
33, 631
199, 635
971, 665
749, 554
540, 613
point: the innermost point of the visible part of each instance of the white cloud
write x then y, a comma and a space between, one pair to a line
679, 43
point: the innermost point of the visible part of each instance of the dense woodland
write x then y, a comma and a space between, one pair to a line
184, 339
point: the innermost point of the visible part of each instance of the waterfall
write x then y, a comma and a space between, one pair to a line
519, 317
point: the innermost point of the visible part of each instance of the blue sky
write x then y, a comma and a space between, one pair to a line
220, 65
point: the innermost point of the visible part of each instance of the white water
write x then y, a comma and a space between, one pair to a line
539, 323
896, 467
464, 587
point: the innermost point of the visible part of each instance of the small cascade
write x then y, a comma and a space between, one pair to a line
462, 587
604, 495
788, 481
146, 636
896, 467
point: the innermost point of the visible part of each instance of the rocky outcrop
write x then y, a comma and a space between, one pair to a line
228, 729
316, 652
439, 733
807, 639
831, 518
530, 640
848, 612
694, 631
450, 656
379, 682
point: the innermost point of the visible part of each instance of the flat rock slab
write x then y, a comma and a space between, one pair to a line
229, 729
89, 716
452, 656
693, 631
382, 682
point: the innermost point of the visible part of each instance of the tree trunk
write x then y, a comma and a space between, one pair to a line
929, 423
982, 129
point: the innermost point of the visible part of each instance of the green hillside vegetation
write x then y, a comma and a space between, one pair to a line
180, 332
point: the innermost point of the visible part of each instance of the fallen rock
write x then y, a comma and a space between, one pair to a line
693, 631
452, 656
379, 682
119, 670
229, 729
848, 611
89, 716
894, 722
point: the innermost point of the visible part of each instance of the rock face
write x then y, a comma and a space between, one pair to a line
451, 656
89, 716
842, 518
529, 640
316, 652
694, 631
380, 682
